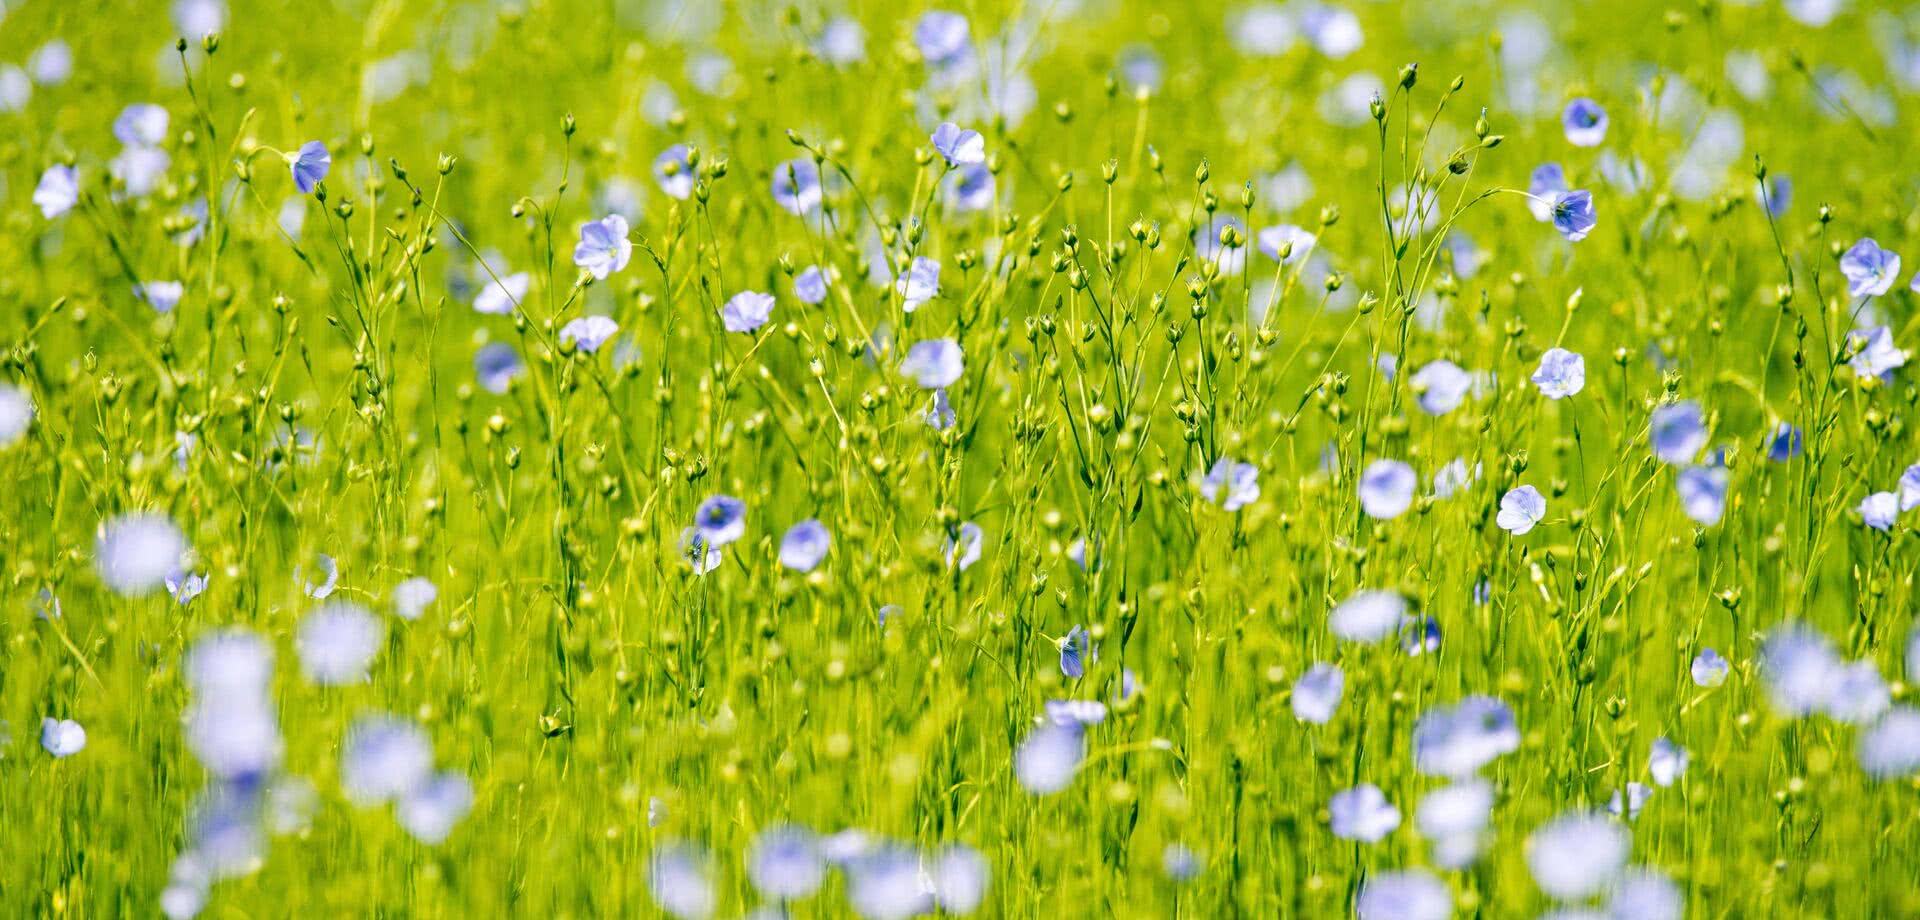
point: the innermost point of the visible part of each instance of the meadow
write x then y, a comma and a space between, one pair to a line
1001, 458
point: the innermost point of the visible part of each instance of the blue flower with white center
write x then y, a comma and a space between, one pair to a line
805, 545
1870, 270
603, 248
1544, 184
588, 333
309, 165
934, 364
1703, 493
1561, 373
796, 186
959, 146
673, 171
1573, 215
1386, 489
721, 519
1585, 123
1677, 432
58, 191
746, 311
1442, 386
1521, 509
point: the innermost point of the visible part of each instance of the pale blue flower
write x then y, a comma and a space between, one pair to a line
971, 188
721, 519
1891, 748
934, 364
1628, 805
1362, 813
1585, 123
1441, 386
1456, 741
796, 186
959, 146
498, 298
431, 810
810, 286
1386, 489
1296, 241
135, 553
1546, 183
805, 545
1677, 432
1577, 855
163, 296
588, 333
384, 758
604, 247
1709, 669
1561, 374
1239, 481
746, 311
1874, 354
1412, 894
1317, 693
1368, 616
412, 597
943, 38
58, 191
1880, 510
673, 170
940, 415
141, 125
62, 737
329, 577
337, 643
496, 365
1520, 509
1870, 270
785, 863
1667, 762
964, 549
1785, 443
960, 877
185, 586
1703, 493
1049, 757
1076, 652
920, 284
681, 882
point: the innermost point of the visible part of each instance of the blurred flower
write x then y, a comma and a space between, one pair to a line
682, 882
1412, 894
1879, 510
1241, 482
500, 297
411, 597
1667, 763
134, 553
1629, 803
1577, 855
1891, 748
1585, 123
746, 311
1076, 652
805, 545
384, 758
1441, 386
1874, 353
1386, 489
329, 572
796, 186
1545, 184
964, 550
62, 737
58, 191
337, 643
721, 519
1362, 813
673, 170
785, 863
1456, 741
588, 333
810, 286
1317, 693
1368, 616
1703, 493
920, 284
934, 364
1709, 669
1677, 432
1049, 757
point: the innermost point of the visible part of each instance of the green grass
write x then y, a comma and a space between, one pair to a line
574, 667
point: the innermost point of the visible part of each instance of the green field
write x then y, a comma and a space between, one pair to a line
1274, 460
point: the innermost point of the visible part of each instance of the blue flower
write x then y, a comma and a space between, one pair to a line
329, 577
1585, 123
1457, 741
496, 365
431, 810
588, 333
309, 165
1521, 509
1709, 669
1317, 693
841, 42
1386, 489
805, 545
1241, 481
934, 364
1049, 757
1076, 652
498, 298
58, 191
1368, 616
959, 879
920, 284
681, 882
971, 188
1573, 215
1909, 489
604, 247
134, 553
940, 415
411, 597
1441, 386
1870, 270
1410, 894
185, 586
796, 186
141, 125
1677, 432
163, 296
1562, 373
785, 863
1874, 354
1785, 443
810, 286
384, 758
944, 38
960, 146
337, 642
701, 554
964, 549
1421, 637
1076, 712
1703, 493
1362, 814
1776, 195
721, 519
673, 170
746, 311
1880, 510
1545, 184
62, 737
